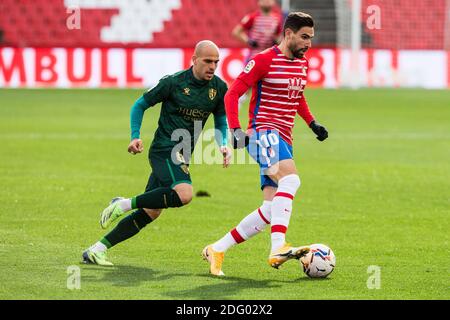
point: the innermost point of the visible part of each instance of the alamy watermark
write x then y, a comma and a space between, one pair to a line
73, 21
374, 280
265, 145
73, 278
373, 22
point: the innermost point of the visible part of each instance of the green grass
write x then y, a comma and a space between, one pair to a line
377, 191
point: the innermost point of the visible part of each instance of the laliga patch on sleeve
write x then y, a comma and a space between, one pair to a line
249, 66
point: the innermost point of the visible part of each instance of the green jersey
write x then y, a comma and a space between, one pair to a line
186, 104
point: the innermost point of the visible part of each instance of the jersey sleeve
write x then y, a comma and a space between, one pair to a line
220, 108
303, 110
253, 72
159, 93
248, 21
255, 69
220, 119
153, 96
136, 116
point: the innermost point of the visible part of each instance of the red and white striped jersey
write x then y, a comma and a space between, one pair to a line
264, 29
277, 92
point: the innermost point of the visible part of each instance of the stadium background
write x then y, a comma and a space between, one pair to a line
376, 191
131, 44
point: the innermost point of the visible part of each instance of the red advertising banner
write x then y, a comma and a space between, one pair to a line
127, 67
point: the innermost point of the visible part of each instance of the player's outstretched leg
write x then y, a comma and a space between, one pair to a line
159, 198
281, 214
128, 227
251, 225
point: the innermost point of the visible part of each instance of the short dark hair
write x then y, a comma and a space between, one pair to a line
297, 20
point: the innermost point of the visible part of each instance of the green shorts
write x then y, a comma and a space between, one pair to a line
166, 173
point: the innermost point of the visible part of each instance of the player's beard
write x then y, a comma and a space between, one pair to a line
299, 53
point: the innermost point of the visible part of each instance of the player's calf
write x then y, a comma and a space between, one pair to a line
251, 225
282, 209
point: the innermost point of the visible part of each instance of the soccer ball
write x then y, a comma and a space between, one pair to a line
319, 262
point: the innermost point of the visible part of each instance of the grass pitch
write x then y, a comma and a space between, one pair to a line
377, 191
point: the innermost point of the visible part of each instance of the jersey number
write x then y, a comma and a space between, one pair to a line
266, 142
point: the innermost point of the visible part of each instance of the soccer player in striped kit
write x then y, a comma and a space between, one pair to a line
277, 77
260, 29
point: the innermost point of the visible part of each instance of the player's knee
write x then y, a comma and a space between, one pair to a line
184, 192
153, 213
185, 197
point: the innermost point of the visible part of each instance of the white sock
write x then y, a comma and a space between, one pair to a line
98, 247
252, 224
223, 244
125, 204
255, 222
282, 209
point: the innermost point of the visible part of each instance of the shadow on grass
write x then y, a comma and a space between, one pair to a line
224, 288
215, 288
124, 276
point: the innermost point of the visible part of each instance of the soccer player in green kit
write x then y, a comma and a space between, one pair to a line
188, 98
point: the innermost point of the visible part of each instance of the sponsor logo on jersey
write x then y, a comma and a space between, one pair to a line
249, 66
193, 114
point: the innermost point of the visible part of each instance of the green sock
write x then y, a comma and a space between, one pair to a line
159, 198
126, 228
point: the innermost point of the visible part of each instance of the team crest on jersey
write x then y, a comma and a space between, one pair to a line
295, 87
212, 93
185, 168
304, 68
249, 66
186, 91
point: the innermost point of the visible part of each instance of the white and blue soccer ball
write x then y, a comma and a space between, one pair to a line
319, 262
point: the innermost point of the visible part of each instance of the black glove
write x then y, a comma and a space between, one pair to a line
240, 138
252, 43
320, 131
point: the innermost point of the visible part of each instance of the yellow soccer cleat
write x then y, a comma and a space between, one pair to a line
285, 253
215, 259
